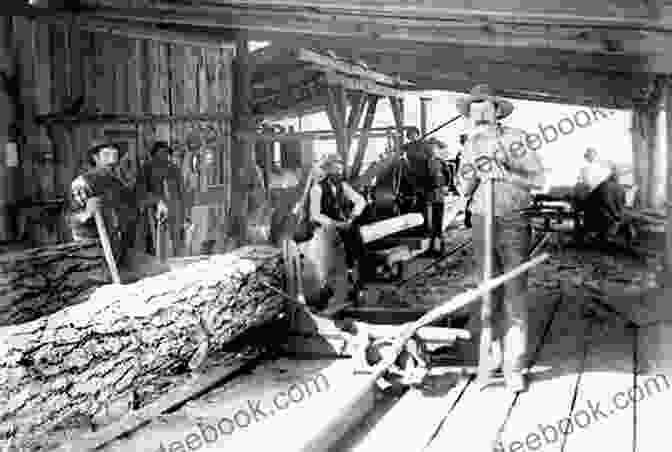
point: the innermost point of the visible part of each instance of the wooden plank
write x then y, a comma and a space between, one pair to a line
457, 430
603, 414
651, 396
667, 98
137, 418
161, 98
549, 399
433, 403
355, 84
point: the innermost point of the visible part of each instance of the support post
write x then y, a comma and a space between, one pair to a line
397, 105
242, 159
668, 180
364, 136
423, 115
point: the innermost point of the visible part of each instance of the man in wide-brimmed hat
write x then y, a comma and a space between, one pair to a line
101, 188
493, 151
334, 206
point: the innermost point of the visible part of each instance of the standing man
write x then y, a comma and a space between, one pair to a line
101, 188
488, 154
160, 184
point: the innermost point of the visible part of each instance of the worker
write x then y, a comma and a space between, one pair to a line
515, 176
600, 196
335, 206
160, 184
101, 189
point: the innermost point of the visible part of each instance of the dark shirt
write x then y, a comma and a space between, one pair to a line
156, 175
424, 171
119, 207
334, 203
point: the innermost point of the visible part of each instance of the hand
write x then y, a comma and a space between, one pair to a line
93, 205
161, 209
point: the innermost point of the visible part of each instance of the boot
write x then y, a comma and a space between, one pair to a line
321, 301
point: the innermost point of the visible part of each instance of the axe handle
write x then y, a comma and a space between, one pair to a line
107, 247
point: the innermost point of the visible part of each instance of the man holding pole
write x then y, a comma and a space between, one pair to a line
500, 180
103, 207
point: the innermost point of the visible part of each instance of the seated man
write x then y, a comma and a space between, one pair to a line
599, 196
101, 188
335, 205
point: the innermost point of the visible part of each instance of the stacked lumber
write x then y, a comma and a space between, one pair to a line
41, 281
71, 366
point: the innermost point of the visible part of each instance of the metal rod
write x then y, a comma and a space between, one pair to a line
441, 126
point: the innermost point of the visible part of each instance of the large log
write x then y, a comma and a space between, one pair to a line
73, 365
38, 282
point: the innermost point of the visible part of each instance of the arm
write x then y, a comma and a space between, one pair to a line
357, 199
527, 171
80, 193
316, 207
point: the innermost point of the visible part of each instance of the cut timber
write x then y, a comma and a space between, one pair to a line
75, 364
380, 229
38, 282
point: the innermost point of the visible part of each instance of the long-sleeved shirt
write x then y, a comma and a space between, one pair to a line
594, 173
514, 166
119, 207
317, 213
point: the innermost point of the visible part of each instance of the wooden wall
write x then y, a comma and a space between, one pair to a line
57, 65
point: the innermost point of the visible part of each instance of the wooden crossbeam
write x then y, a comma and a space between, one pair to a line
336, 114
357, 84
329, 63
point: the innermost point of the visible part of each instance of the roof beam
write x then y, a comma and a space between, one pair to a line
608, 36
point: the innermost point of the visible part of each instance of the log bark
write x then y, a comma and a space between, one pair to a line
73, 365
42, 281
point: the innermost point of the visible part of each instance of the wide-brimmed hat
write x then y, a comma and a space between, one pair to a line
328, 159
98, 145
482, 93
160, 144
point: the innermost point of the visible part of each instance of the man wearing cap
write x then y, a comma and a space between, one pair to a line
335, 205
491, 151
101, 188
160, 185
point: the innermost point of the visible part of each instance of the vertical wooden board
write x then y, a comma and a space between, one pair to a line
178, 81
134, 96
164, 95
120, 53
603, 417
87, 132
7, 174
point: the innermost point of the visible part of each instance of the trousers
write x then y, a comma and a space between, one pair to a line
510, 248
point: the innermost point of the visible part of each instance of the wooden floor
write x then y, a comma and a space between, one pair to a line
584, 395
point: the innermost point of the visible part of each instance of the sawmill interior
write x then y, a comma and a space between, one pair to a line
170, 280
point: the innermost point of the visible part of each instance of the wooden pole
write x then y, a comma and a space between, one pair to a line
668, 227
107, 246
489, 348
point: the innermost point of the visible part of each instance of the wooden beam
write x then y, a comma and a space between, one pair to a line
126, 118
479, 28
336, 113
332, 64
364, 137
367, 86
380, 132
668, 228
142, 30
357, 101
